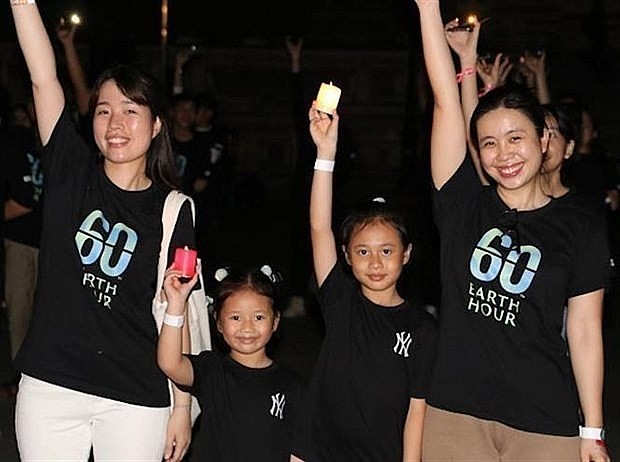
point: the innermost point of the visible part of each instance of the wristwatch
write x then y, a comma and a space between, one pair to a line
592, 433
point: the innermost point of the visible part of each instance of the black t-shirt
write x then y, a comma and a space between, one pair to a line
505, 279
213, 165
592, 176
188, 157
24, 184
373, 360
92, 328
246, 413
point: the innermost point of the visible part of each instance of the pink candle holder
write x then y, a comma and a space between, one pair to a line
185, 261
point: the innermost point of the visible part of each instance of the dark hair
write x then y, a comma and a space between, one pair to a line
237, 281
374, 211
143, 89
561, 116
509, 96
182, 98
206, 101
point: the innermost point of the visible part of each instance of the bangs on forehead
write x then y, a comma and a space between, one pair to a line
131, 91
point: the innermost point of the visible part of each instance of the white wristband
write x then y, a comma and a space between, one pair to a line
324, 165
22, 2
173, 321
592, 433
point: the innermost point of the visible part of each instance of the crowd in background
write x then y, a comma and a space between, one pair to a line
204, 156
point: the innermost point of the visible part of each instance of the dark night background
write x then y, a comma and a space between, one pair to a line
372, 46
139, 20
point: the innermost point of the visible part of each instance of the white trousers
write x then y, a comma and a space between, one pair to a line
53, 423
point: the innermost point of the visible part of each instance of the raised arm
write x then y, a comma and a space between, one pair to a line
465, 45
324, 131
174, 341
35, 44
180, 60
81, 90
448, 141
294, 47
536, 64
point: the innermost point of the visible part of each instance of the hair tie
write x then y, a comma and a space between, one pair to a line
210, 303
221, 274
267, 271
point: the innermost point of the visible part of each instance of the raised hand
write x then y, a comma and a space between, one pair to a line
65, 32
535, 63
182, 57
324, 131
463, 42
294, 50
494, 74
176, 288
294, 46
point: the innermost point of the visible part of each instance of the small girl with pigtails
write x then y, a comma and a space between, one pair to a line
247, 400
366, 398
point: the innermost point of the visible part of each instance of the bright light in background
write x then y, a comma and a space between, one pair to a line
164, 21
471, 19
75, 19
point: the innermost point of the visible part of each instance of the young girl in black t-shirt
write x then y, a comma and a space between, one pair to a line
247, 400
366, 399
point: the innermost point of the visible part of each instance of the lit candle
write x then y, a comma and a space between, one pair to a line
328, 97
185, 261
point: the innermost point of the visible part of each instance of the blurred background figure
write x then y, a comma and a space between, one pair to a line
23, 195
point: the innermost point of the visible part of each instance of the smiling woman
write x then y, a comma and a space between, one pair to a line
522, 266
123, 131
95, 340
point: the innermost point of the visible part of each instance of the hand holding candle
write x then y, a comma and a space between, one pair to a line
185, 261
328, 97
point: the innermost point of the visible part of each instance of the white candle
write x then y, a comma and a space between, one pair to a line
328, 97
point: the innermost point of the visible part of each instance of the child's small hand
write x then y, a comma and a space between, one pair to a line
324, 131
176, 287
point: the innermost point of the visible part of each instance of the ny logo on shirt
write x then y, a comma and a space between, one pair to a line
403, 342
277, 405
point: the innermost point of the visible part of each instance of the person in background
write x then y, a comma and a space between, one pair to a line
22, 221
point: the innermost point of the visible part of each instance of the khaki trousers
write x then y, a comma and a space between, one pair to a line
20, 279
449, 436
